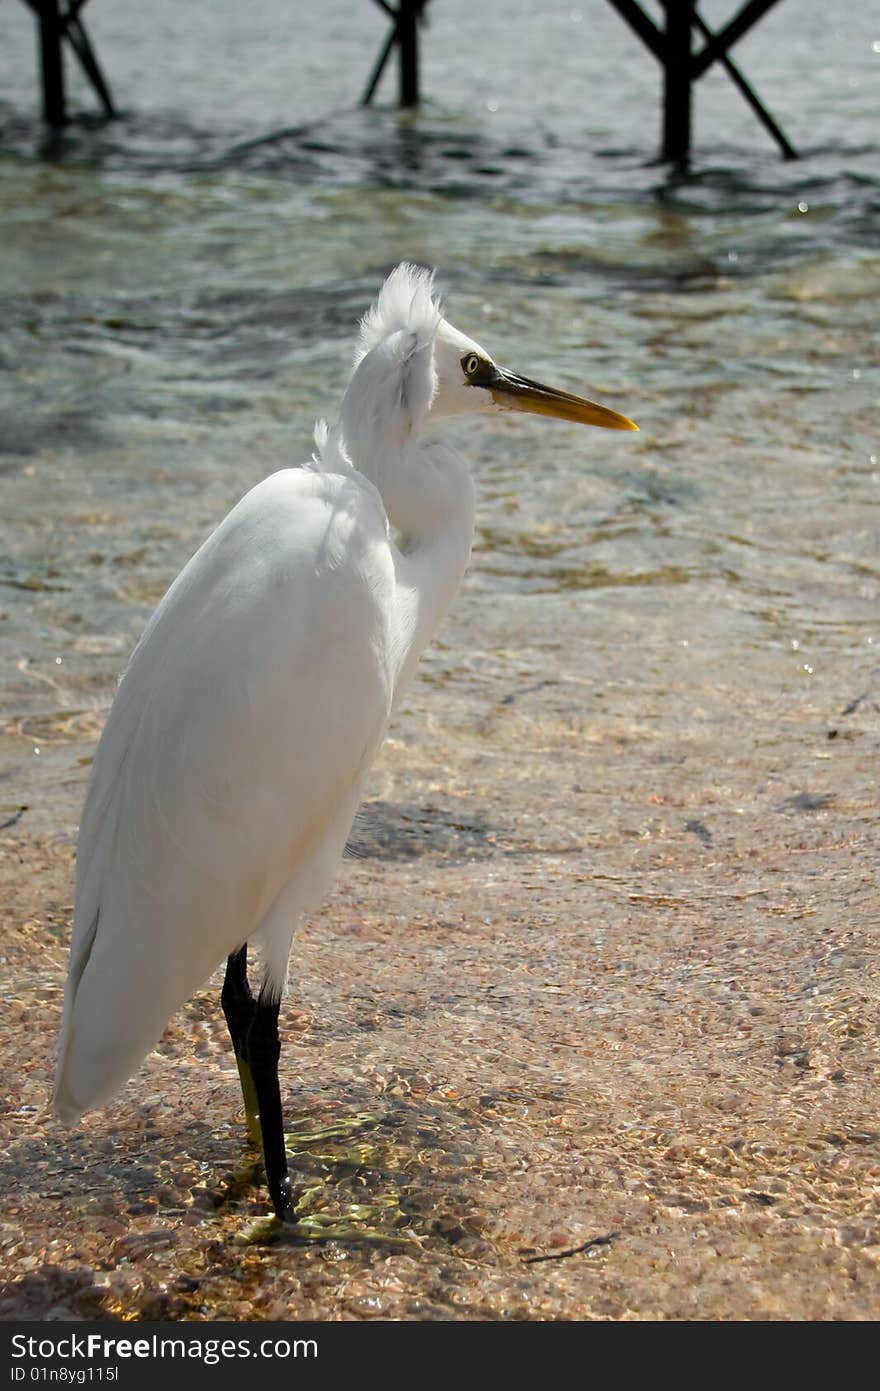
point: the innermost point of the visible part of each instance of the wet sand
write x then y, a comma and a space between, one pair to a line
588, 1031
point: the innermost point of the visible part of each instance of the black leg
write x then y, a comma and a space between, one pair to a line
253, 1027
264, 1050
237, 999
239, 1007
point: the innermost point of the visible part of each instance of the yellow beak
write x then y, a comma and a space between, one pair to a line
519, 394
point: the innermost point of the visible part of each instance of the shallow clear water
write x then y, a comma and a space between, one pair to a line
179, 296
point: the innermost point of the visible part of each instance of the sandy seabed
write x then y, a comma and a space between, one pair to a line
587, 1031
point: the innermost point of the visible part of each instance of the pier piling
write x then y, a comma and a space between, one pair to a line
671, 42
54, 26
51, 63
672, 46
405, 37
677, 80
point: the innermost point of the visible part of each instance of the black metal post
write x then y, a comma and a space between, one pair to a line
79, 42
375, 75
407, 38
677, 81
760, 110
52, 63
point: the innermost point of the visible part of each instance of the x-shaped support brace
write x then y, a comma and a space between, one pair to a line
672, 48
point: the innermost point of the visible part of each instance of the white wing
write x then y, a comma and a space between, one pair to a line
250, 712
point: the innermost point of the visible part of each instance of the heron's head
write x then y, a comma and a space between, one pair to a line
468, 380
412, 365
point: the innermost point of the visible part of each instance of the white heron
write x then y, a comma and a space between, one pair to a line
231, 765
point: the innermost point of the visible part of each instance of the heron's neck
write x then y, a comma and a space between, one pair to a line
425, 486
435, 546
429, 499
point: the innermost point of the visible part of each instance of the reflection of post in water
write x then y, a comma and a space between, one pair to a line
55, 25
672, 47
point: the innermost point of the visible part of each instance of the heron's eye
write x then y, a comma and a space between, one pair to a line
472, 365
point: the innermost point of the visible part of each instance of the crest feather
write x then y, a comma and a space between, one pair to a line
406, 302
